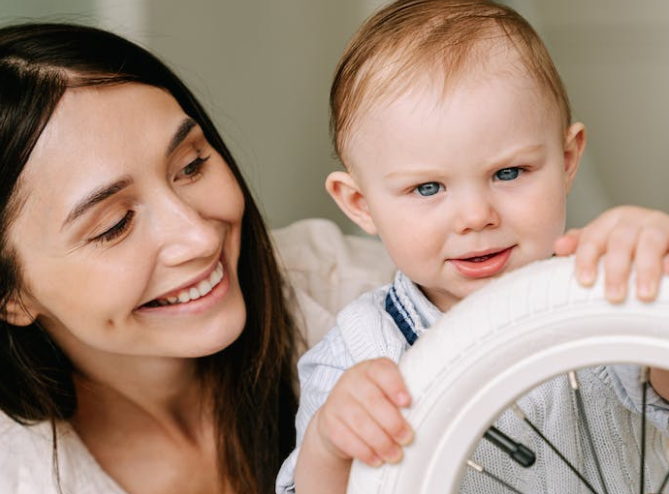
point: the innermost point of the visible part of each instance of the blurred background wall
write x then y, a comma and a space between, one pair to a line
263, 68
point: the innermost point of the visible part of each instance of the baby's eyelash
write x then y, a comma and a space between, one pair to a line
116, 230
428, 189
509, 173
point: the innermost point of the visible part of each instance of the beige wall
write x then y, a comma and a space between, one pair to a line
263, 67
614, 58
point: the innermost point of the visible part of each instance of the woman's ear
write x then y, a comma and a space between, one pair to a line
16, 312
574, 145
350, 199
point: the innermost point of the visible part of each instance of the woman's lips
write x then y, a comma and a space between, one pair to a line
194, 292
482, 266
206, 287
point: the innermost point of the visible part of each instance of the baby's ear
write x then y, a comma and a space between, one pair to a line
574, 145
16, 312
350, 199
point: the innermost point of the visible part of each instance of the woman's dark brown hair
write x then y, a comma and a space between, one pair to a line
252, 381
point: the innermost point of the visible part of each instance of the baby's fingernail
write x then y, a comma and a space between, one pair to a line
615, 293
586, 276
646, 290
376, 462
394, 455
403, 399
405, 436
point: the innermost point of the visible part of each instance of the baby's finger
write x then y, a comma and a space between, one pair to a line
386, 414
567, 243
618, 262
347, 441
364, 425
649, 263
385, 373
586, 260
592, 244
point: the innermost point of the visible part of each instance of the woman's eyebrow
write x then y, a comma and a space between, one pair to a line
102, 193
95, 197
182, 132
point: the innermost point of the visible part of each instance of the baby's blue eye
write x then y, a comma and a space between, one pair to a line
428, 189
508, 173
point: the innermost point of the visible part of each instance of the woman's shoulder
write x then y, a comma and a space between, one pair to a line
20, 441
25, 457
27, 461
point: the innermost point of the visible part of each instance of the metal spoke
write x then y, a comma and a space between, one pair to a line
519, 412
644, 384
573, 381
475, 466
525, 457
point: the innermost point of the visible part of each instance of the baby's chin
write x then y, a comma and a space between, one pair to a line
474, 285
446, 299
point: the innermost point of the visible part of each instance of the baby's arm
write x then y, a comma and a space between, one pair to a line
629, 236
360, 419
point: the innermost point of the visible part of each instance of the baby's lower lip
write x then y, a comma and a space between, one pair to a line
483, 266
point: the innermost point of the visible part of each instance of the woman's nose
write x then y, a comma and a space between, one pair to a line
183, 233
475, 212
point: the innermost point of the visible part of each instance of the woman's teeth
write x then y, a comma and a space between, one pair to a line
193, 293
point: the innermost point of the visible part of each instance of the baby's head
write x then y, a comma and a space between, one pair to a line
414, 43
455, 130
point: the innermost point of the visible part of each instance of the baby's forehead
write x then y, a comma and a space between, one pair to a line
436, 87
394, 78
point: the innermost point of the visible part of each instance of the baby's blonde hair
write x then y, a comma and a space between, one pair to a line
410, 39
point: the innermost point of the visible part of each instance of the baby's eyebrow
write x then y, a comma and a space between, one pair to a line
532, 148
96, 196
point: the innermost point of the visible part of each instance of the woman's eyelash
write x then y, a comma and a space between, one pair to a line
190, 170
117, 229
194, 166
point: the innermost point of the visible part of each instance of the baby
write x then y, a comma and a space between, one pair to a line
460, 150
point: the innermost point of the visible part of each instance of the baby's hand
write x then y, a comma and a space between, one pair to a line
361, 417
629, 236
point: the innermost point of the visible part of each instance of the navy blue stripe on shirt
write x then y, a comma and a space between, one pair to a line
401, 316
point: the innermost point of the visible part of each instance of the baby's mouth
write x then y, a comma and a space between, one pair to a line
481, 258
484, 264
193, 293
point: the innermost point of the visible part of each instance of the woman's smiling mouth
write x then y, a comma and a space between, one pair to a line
192, 293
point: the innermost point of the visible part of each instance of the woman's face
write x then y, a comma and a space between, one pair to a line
129, 236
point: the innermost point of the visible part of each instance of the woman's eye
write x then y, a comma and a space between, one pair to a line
507, 174
428, 189
116, 230
193, 168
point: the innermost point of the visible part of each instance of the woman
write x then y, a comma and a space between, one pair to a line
143, 315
